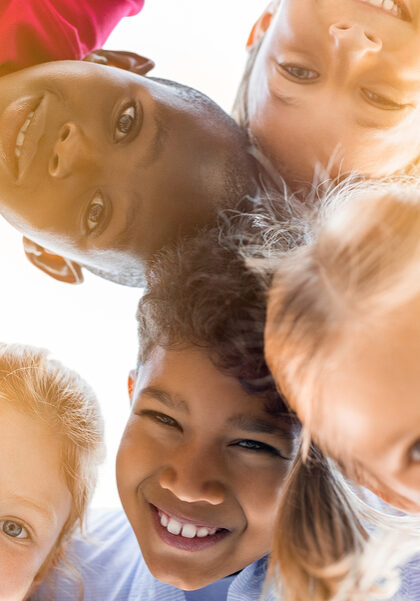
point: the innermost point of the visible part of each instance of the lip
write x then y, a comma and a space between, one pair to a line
182, 543
11, 121
406, 16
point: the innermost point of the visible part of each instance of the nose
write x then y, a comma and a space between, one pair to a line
353, 42
194, 476
66, 150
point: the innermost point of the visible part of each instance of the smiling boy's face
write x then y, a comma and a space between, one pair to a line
200, 470
34, 500
105, 167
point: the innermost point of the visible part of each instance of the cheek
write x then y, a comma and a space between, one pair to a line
18, 568
259, 497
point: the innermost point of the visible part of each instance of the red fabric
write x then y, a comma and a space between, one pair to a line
35, 31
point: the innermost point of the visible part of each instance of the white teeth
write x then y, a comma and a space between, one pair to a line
164, 520
174, 527
388, 4
21, 135
185, 530
188, 530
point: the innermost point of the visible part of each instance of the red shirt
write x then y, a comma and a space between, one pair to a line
36, 31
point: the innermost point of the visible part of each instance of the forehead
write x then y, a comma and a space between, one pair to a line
369, 393
30, 458
195, 385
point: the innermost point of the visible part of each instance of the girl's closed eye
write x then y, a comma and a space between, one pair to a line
14, 529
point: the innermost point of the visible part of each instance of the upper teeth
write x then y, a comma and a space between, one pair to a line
187, 530
389, 5
21, 135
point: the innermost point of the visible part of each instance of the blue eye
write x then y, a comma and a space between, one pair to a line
299, 73
14, 529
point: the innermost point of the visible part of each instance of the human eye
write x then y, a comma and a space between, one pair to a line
95, 213
126, 121
298, 72
414, 452
14, 529
382, 102
160, 418
258, 447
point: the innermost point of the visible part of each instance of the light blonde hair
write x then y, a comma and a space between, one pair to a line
38, 385
361, 265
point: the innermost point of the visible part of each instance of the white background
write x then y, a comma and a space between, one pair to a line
91, 327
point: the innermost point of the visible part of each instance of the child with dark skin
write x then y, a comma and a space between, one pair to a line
105, 167
207, 446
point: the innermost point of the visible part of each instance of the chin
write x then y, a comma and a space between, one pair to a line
179, 578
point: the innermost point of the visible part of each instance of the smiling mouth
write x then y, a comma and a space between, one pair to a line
184, 535
396, 8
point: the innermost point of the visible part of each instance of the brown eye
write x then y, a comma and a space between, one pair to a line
95, 213
382, 102
299, 73
415, 452
125, 122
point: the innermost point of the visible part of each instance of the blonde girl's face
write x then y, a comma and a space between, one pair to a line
34, 500
368, 414
337, 83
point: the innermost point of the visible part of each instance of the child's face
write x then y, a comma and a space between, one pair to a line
201, 454
338, 82
111, 165
368, 414
34, 500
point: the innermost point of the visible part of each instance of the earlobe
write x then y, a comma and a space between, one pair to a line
130, 61
131, 383
55, 266
261, 26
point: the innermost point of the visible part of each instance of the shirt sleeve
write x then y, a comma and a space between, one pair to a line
36, 31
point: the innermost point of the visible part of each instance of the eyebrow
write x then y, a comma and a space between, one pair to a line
45, 510
368, 124
164, 397
256, 424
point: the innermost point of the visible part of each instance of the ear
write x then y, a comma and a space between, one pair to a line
131, 383
130, 61
262, 24
57, 267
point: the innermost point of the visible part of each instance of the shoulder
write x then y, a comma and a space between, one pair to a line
105, 562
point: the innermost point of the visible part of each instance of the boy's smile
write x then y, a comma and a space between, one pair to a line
200, 469
105, 166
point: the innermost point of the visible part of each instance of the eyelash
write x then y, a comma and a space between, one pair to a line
258, 447
382, 102
130, 114
20, 525
94, 219
292, 70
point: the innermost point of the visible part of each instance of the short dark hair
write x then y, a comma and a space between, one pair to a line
200, 292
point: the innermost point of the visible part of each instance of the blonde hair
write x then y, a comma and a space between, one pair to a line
38, 385
360, 266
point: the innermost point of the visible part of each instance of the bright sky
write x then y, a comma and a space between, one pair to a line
91, 327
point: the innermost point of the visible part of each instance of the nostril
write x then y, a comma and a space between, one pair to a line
53, 166
342, 27
65, 132
371, 38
